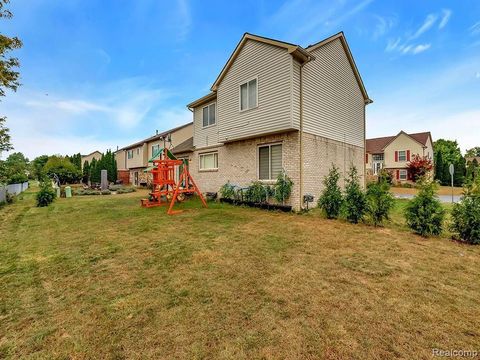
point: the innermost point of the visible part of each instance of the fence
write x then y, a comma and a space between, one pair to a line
14, 189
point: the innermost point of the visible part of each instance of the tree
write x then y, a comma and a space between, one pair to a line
459, 172
86, 172
14, 169
419, 166
466, 214
439, 164
67, 172
355, 202
8, 75
473, 152
379, 201
424, 213
37, 166
5, 144
331, 199
450, 155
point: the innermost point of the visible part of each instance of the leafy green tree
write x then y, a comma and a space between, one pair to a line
67, 172
14, 169
473, 152
355, 201
331, 199
379, 201
451, 154
5, 144
37, 166
424, 213
8, 74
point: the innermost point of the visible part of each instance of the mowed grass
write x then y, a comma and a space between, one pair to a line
101, 277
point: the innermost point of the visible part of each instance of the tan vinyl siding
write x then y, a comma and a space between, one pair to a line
177, 138
139, 157
333, 101
204, 136
402, 143
272, 66
295, 94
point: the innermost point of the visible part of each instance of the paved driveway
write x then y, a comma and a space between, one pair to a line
443, 198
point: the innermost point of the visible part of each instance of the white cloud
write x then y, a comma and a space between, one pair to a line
446, 13
420, 48
184, 19
383, 25
427, 24
475, 28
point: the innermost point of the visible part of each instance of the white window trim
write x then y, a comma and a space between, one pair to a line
200, 161
240, 94
404, 172
267, 181
216, 114
399, 151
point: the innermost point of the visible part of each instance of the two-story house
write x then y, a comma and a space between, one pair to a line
97, 155
276, 106
132, 160
395, 152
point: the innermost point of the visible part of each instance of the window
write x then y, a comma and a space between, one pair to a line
155, 149
138, 151
403, 174
209, 115
269, 161
209, 161
377, 157
248, 95
402, 155
130, 154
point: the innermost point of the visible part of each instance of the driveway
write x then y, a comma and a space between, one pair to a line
442, 198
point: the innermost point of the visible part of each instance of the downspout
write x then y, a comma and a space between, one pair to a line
301, 136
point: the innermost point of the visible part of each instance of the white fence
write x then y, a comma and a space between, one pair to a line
14, 189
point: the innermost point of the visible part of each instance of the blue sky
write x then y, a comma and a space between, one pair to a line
97, 74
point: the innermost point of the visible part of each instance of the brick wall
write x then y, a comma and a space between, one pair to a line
237, 163
320, 153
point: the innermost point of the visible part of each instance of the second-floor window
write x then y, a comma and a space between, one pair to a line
248, 95
130, 154
402, 155
209, 117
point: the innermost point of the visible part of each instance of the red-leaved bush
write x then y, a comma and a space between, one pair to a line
419, 166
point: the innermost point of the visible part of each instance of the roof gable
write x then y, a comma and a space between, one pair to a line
295, 50
351, 60
377, 145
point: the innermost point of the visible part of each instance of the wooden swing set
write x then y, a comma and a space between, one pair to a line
165, 189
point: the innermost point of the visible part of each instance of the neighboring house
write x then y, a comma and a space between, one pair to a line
132, 160
472, 158
97, 155
394, 152
277, 106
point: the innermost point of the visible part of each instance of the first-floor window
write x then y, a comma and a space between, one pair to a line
209, 161
269, 161
155, 149
403, 174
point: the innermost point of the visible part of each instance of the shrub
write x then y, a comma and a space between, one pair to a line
424, 213
257, 192
17, 178
331, 199
466, 214
379, 201
227, 191
46, 195
419, 167
385, 176
67, 172
126, 190
355, 203
283, 187
10, 198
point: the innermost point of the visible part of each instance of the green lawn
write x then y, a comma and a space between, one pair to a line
101, 277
